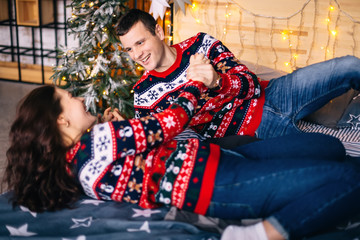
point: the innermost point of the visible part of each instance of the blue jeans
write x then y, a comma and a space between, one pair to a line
294, 96
300, 183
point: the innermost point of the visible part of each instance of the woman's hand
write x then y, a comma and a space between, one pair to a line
110, 115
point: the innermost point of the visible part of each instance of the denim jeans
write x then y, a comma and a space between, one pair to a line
290, 98
301, 183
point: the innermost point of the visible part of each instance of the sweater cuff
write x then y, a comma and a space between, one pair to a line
225, 84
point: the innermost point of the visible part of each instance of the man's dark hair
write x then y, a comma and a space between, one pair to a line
132, 17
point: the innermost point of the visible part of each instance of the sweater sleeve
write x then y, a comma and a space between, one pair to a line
236, 79
138, 135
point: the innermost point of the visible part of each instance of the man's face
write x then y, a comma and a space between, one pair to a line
143, 47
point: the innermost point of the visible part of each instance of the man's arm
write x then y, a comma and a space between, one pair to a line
225, 74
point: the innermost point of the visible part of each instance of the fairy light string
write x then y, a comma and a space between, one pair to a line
287, 35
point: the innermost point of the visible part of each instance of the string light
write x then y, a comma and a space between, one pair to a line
300, 39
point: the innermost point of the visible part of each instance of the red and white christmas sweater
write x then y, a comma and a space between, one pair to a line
234, 109
138, 161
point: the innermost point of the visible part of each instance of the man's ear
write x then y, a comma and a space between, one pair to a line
61, 121
159, 31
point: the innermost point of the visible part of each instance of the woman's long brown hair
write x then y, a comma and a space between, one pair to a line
36, 165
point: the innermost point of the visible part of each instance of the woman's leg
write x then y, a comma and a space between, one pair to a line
298, 196
294, 96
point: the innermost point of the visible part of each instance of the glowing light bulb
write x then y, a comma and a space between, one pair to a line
63, 78
197, 20
287, 63
331, 8
334, 32
91, 4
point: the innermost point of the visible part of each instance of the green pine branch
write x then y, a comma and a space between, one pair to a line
97, 69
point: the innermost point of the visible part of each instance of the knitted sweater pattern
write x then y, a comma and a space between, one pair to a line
138, 161
235, 108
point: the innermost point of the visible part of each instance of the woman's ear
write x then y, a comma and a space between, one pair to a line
159, 31
62, 121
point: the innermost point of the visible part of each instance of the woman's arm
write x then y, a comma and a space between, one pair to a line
137, 135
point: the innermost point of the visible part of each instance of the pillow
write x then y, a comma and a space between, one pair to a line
351, 116
331, 113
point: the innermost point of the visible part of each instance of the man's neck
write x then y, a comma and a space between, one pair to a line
169, 59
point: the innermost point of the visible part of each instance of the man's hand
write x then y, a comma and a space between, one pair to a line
201, 70
110, 115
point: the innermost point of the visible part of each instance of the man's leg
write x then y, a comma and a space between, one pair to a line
294, 96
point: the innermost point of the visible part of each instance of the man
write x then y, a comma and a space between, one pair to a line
235, 103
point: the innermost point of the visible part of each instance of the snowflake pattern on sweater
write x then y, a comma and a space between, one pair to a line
138, 161
235, 108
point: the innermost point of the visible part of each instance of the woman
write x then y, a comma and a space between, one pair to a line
298, 184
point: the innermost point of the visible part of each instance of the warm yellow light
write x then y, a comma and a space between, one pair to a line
167, 13
63, 78
193, 5
287, 63
284, 38
170, 38
101, 51
327, 20
131, 91
197, 20
295, 56
333, 32
331, 8
91, 4
104, 92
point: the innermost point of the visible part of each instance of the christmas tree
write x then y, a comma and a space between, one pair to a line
97, 69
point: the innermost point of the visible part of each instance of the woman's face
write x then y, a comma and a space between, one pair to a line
74, 111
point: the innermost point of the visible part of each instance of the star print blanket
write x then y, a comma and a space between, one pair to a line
94, 219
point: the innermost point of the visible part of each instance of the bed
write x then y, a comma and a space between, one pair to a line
93, 219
